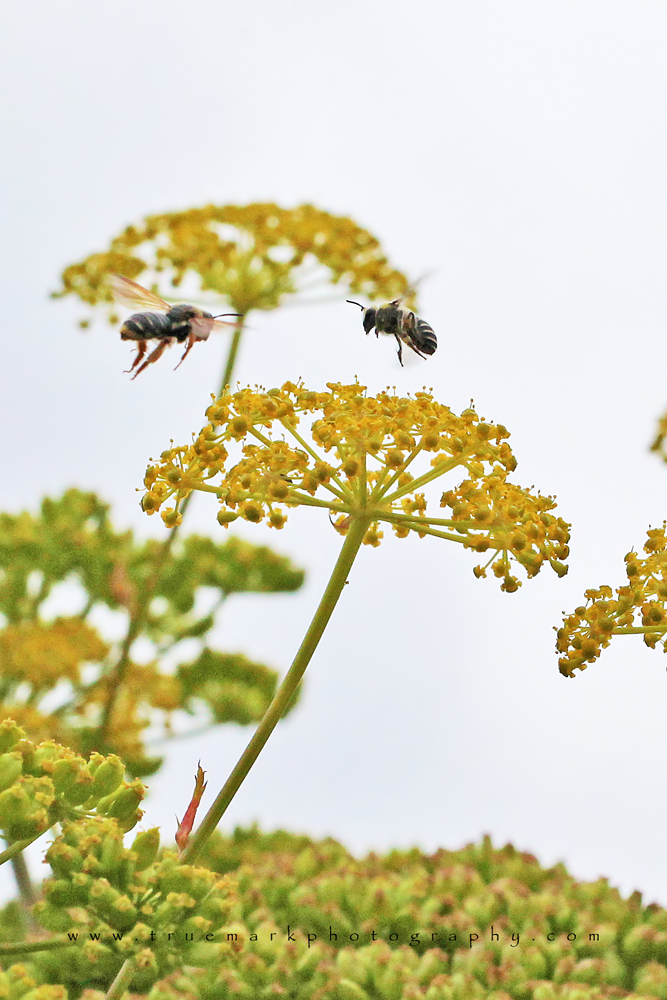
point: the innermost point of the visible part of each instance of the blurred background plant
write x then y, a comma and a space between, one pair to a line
63, 676
256, 256
281, 914
66, 677
85, 678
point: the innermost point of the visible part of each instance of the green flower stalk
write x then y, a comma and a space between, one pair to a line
364, 461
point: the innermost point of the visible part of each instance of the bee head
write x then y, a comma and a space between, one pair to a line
369, 315
369, 319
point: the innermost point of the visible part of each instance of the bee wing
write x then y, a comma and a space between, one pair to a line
129, 293
201, 326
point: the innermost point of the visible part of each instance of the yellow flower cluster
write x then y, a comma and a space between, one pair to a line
354, 464
588, 631
245, 253
515, 523
44, 653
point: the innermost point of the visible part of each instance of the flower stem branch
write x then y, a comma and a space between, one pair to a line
16, 848
345, 491
382, 486
437, 470
122, 981
287, 689
639, 630
29, 947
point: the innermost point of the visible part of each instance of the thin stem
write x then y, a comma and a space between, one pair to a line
122, 981
381, 487
422, 529
13, 851
137, 621
138, 617
231, 357
27, 894
441, 522
287, 689
345, 495
28, 947
308, 501
638, 630
313, 454
438, 470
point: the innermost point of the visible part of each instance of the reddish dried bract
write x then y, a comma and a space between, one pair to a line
186, 824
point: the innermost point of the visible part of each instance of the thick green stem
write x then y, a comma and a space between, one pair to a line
287, 689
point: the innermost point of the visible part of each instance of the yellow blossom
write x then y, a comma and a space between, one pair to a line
251, 255
353, 462
639, 607
46, 652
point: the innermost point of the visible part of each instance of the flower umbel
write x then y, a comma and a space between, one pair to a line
252, 255
365, 459
588, 630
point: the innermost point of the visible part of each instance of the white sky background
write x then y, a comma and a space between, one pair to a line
516, 151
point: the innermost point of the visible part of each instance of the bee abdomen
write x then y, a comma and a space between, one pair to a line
425, 337
145, 326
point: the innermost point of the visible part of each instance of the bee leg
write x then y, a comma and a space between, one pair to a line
191, 340
141, 350
153, 356
400, 350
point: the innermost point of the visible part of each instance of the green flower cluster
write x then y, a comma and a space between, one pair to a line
251, 255
115, 903
501, 924
72, 539
617, 947
19, 983
44, 784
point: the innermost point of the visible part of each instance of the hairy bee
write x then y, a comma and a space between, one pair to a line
399, 321
168, 325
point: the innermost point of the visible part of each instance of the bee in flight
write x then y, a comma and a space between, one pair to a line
397, 320
165, 323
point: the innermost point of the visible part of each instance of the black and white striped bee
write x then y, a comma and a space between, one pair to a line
168, 324
399, 321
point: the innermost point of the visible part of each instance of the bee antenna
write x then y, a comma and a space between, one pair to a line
227, 314
355, 303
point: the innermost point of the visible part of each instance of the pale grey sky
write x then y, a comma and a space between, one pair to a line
516, 152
